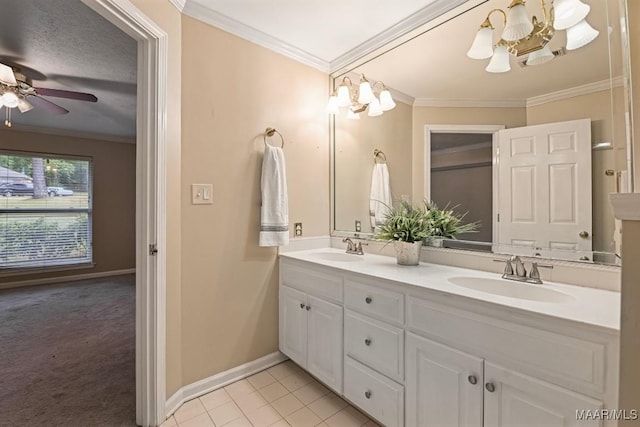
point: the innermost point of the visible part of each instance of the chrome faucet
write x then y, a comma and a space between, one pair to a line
352, 248
520, 272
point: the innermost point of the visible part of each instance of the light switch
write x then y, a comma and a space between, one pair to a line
201, 194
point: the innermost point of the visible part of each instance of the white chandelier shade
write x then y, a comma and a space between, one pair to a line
540, 56
580, 35
359, 98
499, 61
518, 23
482, 47
568, 13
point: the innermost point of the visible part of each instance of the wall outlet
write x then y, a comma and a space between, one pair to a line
358, 226
297, 229
201, 194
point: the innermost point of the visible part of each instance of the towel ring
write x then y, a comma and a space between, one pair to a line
378, 153
269, 133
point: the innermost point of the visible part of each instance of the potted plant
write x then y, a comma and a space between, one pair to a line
446, 223
407, 226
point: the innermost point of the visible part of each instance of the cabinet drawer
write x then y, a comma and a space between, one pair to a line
374, 301
374, 343
312, 281
377, 395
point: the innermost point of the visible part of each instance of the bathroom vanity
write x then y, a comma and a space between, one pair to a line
446, 346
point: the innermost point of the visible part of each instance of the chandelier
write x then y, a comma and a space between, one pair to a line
358, 99
10, 96
524, 36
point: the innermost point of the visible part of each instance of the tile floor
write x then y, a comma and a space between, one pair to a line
281, 396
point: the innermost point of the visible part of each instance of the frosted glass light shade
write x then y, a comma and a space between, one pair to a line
344, 97
6, 75
386, 101
24, 105
353, 116
580, 35
10, 100
499, 61
518, 24
482, 46
375, 109
366, 94
568, 13
540, 56
332, 105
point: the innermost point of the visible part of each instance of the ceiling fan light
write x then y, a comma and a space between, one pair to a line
482, 46
10, 100
568, 13
344, 97
540, 56
332, 105
24, 105
366, 94
499, 61
518, 23
375, 109
6, 75
580, 35
352, 116
386, 101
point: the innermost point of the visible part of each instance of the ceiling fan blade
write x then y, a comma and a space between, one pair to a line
47, 105
80, 96
6, 75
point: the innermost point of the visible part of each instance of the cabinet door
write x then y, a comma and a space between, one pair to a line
325, 342
519, 400
293, 324
443, 385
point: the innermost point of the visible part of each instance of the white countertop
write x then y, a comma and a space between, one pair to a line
580, 304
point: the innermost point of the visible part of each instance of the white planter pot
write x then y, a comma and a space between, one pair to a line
407, 253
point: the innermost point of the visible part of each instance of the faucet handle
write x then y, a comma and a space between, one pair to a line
520, 270
534, 273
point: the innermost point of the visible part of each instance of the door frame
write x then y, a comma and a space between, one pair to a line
486, 129
151, 135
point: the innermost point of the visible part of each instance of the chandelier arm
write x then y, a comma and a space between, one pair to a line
487, 21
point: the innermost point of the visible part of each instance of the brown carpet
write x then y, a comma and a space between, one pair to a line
67, 354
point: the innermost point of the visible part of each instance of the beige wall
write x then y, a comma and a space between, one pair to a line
355, 142
510, 117
114, 181
232, 90
605, 127
169, 19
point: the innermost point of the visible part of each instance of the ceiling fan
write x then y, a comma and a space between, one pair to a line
16, 90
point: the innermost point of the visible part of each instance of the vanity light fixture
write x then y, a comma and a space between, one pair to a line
358, 99
524, 36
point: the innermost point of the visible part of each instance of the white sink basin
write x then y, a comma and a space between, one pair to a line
337, 256
511, 289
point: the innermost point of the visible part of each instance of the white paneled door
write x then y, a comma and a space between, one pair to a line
544, 190
293, 324
325, 342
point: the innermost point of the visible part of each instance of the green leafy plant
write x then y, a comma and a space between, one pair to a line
406, 223
446, 222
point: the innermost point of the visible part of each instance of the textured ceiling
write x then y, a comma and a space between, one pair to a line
63, 44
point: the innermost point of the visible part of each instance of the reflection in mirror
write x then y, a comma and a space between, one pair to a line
525, 202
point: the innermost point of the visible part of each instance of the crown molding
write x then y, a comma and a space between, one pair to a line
179, 4
576, 91
626, 206
209, 16
470, 103
421, 17
70, 133
401, 96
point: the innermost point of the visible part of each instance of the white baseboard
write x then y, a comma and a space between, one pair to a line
304, 243
71, 278
206, 385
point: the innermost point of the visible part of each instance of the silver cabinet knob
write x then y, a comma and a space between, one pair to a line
583, 234
308, 307
301, 305
490, 387
367, 394
472, 379
367, 342
368, 300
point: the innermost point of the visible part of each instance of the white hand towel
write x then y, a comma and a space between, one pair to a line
274, 213
380, 196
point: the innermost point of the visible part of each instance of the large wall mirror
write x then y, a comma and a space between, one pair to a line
531, 154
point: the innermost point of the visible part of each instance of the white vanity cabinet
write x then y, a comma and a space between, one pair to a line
311, 323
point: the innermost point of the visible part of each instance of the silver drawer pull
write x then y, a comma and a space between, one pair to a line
367, 394
301, 305
308, 307
367, 342
490, 387
368, 300
472, 379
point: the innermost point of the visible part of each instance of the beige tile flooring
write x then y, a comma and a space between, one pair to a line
281, 396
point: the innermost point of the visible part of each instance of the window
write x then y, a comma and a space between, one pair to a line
45, 210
